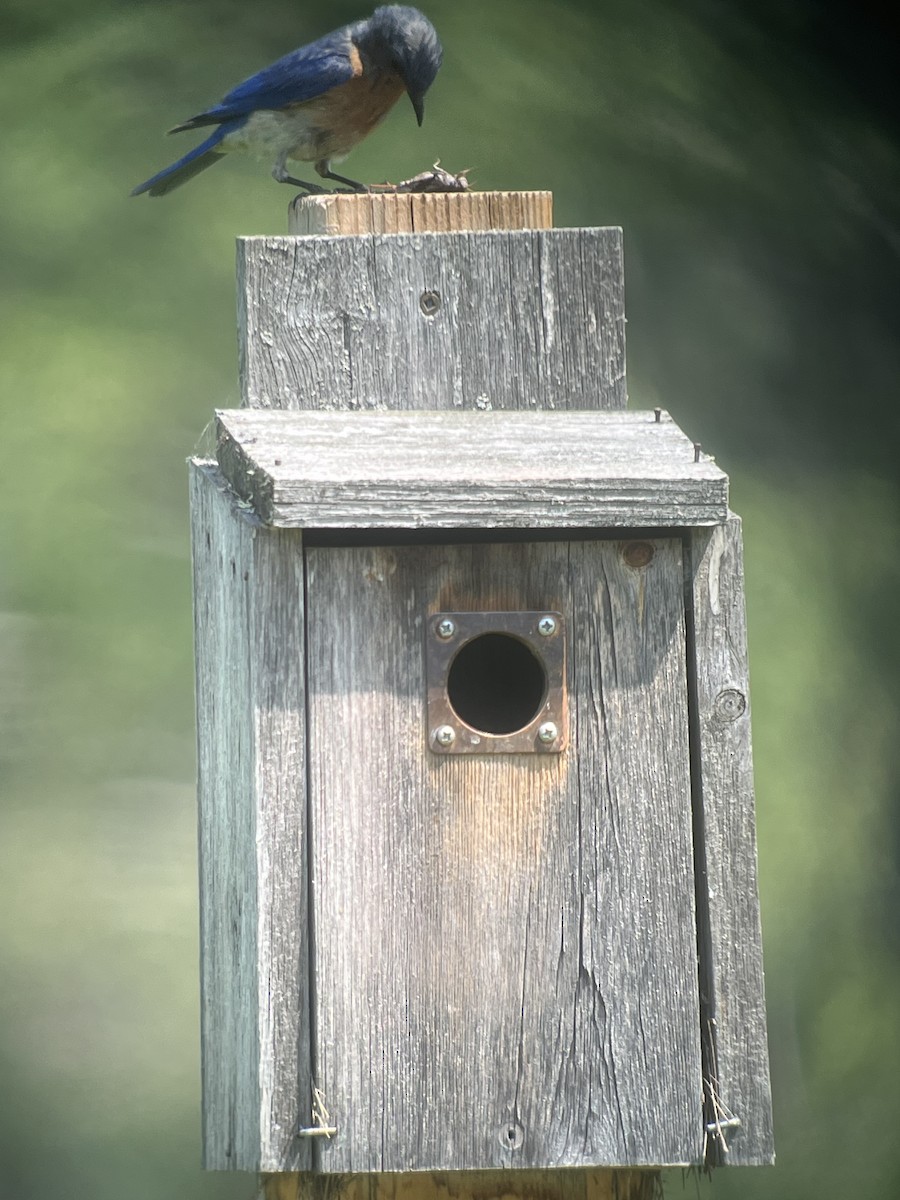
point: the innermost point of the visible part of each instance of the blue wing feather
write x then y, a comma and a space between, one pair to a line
301, 75
188, 166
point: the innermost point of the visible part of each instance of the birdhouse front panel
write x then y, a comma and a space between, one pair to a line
503, 940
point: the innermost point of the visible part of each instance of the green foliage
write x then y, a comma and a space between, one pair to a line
760, 203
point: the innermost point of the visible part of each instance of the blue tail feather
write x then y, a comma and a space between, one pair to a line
186, 168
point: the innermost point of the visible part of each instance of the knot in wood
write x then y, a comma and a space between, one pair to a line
730, 704
638, 554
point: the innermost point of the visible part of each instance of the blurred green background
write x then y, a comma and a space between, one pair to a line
750, 152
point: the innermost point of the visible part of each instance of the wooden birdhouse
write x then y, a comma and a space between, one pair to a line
476, 810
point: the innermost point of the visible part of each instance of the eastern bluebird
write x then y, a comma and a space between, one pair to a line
317, 102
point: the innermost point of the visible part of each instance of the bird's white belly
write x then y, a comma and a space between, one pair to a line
268, 134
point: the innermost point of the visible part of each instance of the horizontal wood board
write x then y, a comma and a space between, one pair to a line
532, 318
446, 470
732, 980
248, 586
505, 966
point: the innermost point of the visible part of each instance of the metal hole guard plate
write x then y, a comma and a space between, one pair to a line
544, 634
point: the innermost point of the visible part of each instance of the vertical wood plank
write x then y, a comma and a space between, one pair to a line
520, 320
248, 586
732, 984
505, 967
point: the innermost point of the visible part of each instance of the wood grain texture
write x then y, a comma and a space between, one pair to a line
482, 470
468, 1185
737, 1065
442, 212
524, 320
505, 968
248, 587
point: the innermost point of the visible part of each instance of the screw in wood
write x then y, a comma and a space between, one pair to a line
429, 302
724, 1123
657, 412
511, 1135
697, 449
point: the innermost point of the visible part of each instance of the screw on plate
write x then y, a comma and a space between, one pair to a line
547, 626
548, 733
445, 735
445, 629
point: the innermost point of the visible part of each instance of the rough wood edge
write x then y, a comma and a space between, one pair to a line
248, 443
440, 212
251, 743
736, 1063
586, 1184
229, 1015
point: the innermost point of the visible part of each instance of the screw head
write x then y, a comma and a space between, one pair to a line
429, 302
547, 626
445, 735
548, 733
445, 629
511, 1135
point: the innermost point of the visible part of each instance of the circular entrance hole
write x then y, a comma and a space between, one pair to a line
496, 684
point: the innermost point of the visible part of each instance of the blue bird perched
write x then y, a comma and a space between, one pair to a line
317, 102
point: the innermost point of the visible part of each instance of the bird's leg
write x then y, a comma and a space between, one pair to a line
323, 168
281, 175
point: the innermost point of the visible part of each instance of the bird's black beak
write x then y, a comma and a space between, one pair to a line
418, 103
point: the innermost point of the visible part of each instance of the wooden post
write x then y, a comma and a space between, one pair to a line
468, 1185
454, 212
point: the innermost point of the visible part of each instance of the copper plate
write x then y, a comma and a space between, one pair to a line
550, 653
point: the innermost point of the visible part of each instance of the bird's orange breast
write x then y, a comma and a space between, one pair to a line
346, 114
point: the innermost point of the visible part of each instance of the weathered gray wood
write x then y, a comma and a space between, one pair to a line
525, 319
506, 945
438, 470
737, 1066
248, 587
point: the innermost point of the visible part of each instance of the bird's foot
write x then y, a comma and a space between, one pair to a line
281, 175
350, 185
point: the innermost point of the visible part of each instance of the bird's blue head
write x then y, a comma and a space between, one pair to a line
402, 39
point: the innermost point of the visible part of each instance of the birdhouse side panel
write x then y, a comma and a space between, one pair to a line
248, 587
738, 1091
